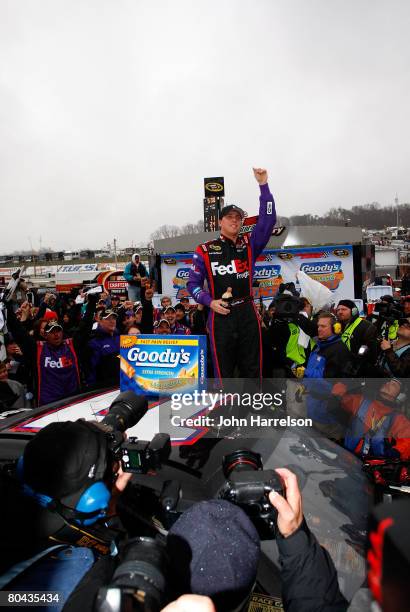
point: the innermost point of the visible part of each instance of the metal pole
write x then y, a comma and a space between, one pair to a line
115, 253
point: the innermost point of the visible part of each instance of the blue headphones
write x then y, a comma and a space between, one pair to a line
91, 506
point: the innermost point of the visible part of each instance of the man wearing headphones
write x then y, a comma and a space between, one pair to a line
357, 332
62, 492
330, 358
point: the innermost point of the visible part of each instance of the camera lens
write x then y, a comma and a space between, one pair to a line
241, 460
126, 410
143, 568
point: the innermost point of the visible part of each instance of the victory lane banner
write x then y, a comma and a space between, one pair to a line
161, 365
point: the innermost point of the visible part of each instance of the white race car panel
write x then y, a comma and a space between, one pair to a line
96, 407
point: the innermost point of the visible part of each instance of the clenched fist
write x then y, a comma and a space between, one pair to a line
261, 175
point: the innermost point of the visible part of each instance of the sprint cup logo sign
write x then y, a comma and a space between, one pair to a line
329, 273
162, 365
214, 187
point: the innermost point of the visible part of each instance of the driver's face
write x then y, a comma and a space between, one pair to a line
231, 223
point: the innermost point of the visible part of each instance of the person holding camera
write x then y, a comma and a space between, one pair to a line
55, 511
377, 428
227, 265
395, 357
214, 551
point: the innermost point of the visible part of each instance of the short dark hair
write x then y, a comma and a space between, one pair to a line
327, 315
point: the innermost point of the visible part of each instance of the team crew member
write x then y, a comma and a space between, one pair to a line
357, 332
228, 262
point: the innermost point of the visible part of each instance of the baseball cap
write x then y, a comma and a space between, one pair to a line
158, 323
231, 208
169, 308
108, 313
52, 325
50, 315
65, 457
404, 321
214, 550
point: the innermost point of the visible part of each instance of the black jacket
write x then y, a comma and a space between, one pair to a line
365, 334
309, 578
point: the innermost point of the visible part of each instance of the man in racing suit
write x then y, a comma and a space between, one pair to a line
228, 262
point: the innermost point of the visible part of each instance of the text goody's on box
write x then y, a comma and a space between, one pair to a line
162, 364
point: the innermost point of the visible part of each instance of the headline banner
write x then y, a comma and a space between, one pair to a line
331, 265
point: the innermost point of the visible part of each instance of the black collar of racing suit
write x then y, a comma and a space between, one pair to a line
229, 240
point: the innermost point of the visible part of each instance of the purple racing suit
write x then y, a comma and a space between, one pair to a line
235, 339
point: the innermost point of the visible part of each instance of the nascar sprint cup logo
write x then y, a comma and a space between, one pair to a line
329, 273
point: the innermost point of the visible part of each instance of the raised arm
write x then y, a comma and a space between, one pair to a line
267, 214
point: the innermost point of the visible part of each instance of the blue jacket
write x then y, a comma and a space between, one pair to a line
132, 270
328, 359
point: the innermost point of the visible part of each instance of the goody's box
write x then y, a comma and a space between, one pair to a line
162, 364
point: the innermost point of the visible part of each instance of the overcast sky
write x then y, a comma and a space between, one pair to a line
113, 111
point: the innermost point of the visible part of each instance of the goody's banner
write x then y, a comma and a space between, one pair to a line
162, 364
331, 265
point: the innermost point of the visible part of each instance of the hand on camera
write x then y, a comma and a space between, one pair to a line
385, 345
290, 515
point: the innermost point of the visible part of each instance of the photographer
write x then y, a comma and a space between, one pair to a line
376, 427
385, 317
63, 490
395, 357
214, 551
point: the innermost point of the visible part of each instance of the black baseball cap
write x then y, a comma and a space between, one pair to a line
52, 325
231, 208
108, 313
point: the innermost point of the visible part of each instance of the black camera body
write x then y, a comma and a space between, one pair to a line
141, 456
248, 486
387, 311
287, 307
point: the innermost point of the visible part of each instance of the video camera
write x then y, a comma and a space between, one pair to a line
387, 311
287, 303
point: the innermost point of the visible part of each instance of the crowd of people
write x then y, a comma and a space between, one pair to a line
69, 480
68, 344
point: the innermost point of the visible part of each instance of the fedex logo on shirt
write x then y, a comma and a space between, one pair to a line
237, 266
63, 362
